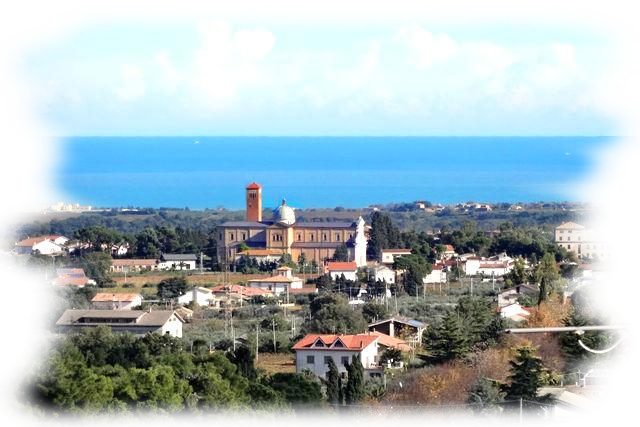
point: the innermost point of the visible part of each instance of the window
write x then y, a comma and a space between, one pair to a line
311, 360
311, 237
560, 238
345, 360
338, 344
231, 236
579, 238
337, 237
299, 237
568, 246
244, 236
220, 235
324, 237
327, 359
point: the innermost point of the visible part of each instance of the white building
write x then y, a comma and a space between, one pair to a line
388, 256
313, 352
494, 268
44, 245
581, 241
116, 301
282, 282
202, 297
137, 322
129, 265
337, 269
437, 275
514, 312
384, 273
177, 262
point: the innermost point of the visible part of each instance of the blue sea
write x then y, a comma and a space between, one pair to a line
210, 172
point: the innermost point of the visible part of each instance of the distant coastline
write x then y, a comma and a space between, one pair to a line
205, 172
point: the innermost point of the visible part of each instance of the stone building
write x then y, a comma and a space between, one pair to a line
608, 246
283, 234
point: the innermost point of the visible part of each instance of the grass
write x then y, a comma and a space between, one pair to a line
276, 362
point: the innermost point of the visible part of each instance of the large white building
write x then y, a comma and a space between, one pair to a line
282, 282
580, 240
137, 322
313, 352
337, 269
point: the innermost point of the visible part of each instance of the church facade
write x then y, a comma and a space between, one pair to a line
283, 235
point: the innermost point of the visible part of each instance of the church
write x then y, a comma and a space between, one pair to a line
283, 235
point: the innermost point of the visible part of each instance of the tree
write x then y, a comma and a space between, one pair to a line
172, 287
354, 390
447, 340
528, 374
373, 311
334, 384
331, 314
298, 389
575, 355
390, 354
416, 268
383, 235
341, 253
147, 244
96, 265
518, 274
324, 282
633, 375
547, 274
485, 396
39, 268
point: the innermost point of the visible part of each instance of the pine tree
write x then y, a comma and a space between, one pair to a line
528, 374
485, 396
334, 384
448, 339
354, 391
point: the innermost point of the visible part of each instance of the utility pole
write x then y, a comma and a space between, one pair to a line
257, 339
233, 334
273, 323
201, 256
521, 411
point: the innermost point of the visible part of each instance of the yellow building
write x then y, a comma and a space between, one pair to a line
608, 246
282, 234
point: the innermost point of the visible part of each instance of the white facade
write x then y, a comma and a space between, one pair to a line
388, 256
177, 265
202, 297
581, 241
276, 285
498, 269
384, 273
44, 247
437, 275
118, 304
348, 274
360, 245
173, 327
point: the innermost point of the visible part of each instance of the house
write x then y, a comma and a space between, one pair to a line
388, 256
384, 274
137, 322
177, 262
494, 268
131, 265
228, 295
282, 282
514, 312
199, 295
386, 341
314, 351
408, 329
511, 296
337, 269
116, 301
593, 405
261, 255
72, 277
43, 245
448, 253
437, 275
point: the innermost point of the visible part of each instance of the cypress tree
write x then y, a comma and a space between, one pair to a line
448, 340
334, 384
354, 391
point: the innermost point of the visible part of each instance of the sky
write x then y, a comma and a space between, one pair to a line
242, 75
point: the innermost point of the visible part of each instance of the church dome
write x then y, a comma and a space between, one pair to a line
284, 214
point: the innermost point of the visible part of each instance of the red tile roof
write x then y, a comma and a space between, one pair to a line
70, 281
389, 341
254, 186
133, 262
351, 342
340, 266
237, 289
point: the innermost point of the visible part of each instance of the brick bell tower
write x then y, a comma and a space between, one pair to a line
254, 202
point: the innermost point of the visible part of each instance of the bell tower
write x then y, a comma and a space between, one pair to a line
254, 202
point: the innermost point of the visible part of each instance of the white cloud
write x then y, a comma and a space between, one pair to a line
427, 48
170, 77
133, 85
